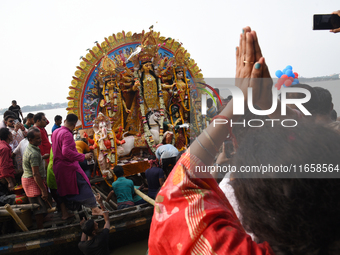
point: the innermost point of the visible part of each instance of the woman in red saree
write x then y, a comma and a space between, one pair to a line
193, 216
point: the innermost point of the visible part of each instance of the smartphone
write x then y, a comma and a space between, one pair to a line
326, 21
16, 122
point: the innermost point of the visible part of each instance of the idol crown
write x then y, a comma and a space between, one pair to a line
149, 47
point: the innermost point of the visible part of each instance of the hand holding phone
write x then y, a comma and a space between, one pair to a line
336, 30
327, 21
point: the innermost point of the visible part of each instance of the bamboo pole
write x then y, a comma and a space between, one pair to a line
23, 207
145, 197
16, 218
4, 213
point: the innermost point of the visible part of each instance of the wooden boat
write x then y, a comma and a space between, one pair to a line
127, 225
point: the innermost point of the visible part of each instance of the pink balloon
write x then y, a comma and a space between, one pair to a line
296, 75
288, 83
291, 78
284, 76
280, 81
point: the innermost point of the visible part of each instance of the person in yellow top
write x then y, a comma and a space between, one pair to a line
83, 147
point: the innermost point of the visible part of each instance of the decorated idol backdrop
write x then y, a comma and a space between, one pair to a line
137, 91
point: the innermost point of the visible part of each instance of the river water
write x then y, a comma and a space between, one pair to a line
137, 248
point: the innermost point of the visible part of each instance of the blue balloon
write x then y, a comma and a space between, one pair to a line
294, 83
278, 73
296, 80
289, 67
284, 71
290, 73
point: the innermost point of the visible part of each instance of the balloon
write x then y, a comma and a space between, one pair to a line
284, 76
280, 81
294, 83
278, 73
288, 83
289, 67
291, 79
290, 73
296, 75
296, 80
284, 70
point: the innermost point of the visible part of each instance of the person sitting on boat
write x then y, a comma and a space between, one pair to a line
34, 177
72, 183
95, 243
154, 176
123, 188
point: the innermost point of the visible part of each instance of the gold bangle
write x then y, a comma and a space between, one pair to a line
210, 139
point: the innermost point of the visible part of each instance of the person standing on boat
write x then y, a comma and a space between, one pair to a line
7, 171
123, 188
95, 243
34, 177
40, 121
16, 109
57, 122
154, 176
72, 183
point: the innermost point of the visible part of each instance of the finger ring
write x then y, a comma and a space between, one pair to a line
246, 62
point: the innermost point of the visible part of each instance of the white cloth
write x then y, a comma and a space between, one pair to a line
20, 149
2, 124
228, 191
17, 137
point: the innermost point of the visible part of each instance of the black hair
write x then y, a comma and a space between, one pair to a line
30, 116
57, 117
31, 133
296, 215
9, 117
88, 227
325, 101
14, 101
152, 157
119, 171
72, 119
8, 113
38, 116
4, 134
313, 104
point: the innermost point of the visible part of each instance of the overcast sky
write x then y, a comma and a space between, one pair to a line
41, 41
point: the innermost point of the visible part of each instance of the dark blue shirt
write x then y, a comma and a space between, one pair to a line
55, 126
152, 176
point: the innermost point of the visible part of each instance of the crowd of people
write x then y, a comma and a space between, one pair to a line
197, 212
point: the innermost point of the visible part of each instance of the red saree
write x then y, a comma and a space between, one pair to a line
193, 216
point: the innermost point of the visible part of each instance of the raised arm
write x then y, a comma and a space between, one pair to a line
246, 72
